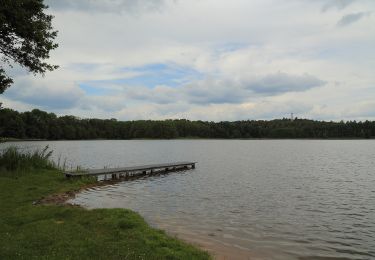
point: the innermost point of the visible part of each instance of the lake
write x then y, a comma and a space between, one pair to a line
267, 199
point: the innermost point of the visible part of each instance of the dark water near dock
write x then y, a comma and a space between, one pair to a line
279, 199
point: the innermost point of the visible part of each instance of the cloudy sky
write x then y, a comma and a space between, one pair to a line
207, 59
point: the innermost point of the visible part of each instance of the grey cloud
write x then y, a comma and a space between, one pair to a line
215, 91
231, 91
282, 82
336, 4
106, 6
351, 18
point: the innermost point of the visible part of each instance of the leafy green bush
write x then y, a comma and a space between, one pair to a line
12, 159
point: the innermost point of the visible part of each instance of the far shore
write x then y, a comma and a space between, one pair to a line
5, 140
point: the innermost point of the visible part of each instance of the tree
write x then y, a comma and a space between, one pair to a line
26, 37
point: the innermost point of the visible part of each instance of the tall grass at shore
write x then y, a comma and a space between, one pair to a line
12, 159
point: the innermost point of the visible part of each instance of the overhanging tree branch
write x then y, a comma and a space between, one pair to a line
26, 37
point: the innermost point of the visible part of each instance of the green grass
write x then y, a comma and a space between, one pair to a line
30, 231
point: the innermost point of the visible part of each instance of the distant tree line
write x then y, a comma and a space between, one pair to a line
38, 124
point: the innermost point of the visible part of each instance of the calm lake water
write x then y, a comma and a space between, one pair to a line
279, 199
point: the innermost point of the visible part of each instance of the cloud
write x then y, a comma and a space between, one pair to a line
106, 103
149, 75
351, 18
152, 75
221, 91
224, 91
282, 82
337, 4
215, 91
45, 95
361, 109
158, 94
106, 6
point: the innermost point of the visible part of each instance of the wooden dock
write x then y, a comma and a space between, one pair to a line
133, 171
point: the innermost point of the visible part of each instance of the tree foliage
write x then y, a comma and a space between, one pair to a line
38, 124
26, 37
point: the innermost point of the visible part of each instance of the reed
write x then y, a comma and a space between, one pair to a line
14, 159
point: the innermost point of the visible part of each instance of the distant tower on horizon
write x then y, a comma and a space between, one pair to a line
291, 116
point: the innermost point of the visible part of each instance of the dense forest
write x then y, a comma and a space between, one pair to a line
38, 124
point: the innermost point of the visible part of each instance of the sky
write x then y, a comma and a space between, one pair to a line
209, 60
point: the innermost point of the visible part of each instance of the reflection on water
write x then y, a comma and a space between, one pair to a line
280, 199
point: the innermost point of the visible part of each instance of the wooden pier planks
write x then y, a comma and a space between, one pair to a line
133, 170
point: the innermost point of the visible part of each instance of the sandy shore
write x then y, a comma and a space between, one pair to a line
218, 249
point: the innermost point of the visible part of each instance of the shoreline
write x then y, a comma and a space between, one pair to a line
183, 138
217, 249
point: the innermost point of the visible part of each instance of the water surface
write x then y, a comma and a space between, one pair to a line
278, 199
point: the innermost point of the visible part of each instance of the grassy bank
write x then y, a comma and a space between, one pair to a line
67, 232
